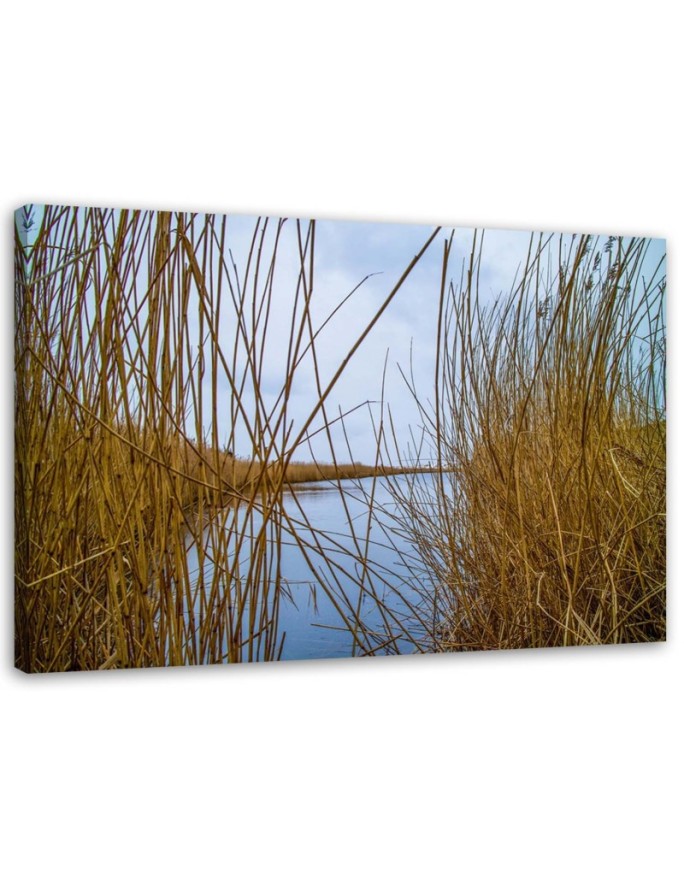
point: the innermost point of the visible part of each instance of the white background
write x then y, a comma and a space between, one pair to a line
525, 115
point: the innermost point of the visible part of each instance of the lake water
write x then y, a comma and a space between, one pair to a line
346, 580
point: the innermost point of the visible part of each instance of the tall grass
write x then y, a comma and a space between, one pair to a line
142, 362
141, 350
546, 524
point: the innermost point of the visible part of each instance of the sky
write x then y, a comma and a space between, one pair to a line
405, 335
403, 339
346, 253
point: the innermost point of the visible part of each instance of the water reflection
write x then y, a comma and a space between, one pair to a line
336, 567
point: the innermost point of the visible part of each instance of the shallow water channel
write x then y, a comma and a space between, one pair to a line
346, 585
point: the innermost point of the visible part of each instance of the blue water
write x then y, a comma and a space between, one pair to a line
344, 572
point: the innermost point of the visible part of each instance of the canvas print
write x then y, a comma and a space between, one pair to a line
245, 439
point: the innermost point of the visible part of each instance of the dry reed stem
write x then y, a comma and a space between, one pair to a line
118, 479
537, 533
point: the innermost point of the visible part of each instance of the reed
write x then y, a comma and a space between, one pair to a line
140, 355
546, 523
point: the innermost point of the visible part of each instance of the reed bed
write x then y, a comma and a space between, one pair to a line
140, 353
546, 523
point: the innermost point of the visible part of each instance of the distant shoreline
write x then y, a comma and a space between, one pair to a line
244, 476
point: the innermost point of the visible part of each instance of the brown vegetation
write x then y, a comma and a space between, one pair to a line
114, 490
546, 524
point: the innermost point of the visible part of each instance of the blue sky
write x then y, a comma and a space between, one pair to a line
345, 253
